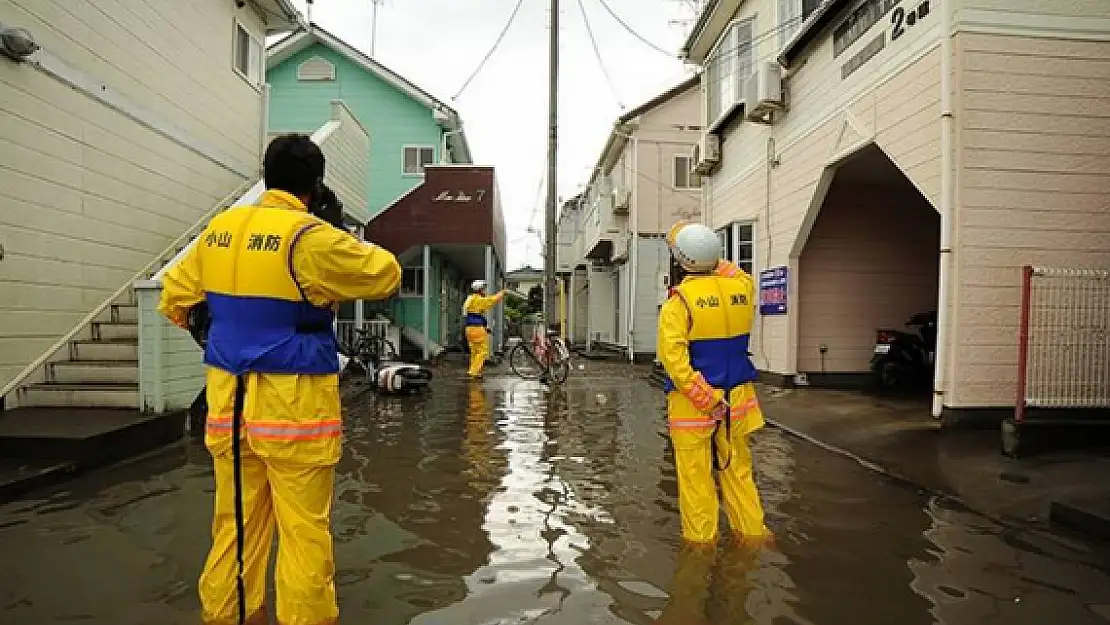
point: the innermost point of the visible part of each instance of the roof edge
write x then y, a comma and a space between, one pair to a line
281, 50
811, 30
618, 138
699, 27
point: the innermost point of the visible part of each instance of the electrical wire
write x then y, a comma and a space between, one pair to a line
635, 34
500, 37
722, 56
597, 55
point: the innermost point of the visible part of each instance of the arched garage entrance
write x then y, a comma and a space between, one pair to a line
870, 261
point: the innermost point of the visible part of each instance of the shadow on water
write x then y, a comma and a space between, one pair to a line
503, 502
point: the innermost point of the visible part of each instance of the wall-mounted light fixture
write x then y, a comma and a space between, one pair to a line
16, 43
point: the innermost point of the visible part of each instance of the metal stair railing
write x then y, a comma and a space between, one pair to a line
189, 234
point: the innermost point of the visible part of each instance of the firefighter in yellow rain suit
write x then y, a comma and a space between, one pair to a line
270, 274
704, 331
475, 307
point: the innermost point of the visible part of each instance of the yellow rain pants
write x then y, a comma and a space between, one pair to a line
274, 255
704, 329
697, 490
477, 336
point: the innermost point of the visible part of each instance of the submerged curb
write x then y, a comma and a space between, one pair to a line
896, 476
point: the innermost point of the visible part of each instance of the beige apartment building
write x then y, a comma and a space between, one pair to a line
611, 252
884, 157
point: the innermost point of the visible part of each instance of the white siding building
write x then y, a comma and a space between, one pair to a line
894, 156
612, 254
128, 126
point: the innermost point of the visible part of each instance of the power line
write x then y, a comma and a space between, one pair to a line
508, 24
597, 55
718, 56
634, 33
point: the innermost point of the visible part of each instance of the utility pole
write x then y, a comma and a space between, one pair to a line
374, 27
550, 301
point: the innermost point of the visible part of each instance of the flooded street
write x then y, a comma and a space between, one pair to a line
501, 503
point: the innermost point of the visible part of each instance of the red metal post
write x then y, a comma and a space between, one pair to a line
1023, 342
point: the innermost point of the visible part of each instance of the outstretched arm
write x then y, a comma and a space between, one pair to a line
484, 303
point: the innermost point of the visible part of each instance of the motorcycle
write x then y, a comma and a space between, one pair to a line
902, 359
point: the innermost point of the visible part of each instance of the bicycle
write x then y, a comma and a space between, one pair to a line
370, 350
547, 353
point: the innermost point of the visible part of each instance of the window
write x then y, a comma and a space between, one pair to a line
684, 176
247, 56
738, 244
417, 158
412, 282
745, 246
790, 18
729, 67
316, 69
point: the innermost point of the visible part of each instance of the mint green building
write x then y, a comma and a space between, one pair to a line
409, 129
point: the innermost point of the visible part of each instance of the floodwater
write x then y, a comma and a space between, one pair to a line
501, 503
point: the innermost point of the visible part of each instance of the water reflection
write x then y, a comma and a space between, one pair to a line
502, 502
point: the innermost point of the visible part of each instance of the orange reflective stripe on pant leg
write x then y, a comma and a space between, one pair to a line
294, 430
280, 429
740, 410
305, 574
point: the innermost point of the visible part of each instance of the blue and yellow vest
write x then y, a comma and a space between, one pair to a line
261, 319
721, 317
473, 318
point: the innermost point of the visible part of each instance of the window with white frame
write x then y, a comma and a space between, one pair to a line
684, 176
417, 157
247, 55
412, 282
790, 18
728, 68
738, 244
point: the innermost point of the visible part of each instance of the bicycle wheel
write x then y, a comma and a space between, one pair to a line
559, 371
524, 363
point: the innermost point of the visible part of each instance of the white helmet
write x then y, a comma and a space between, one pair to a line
696, 248
478, 285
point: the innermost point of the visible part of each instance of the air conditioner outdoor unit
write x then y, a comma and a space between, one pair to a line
763, 92
622, 199
707, 154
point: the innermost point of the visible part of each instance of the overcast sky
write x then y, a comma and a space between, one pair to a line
437, 44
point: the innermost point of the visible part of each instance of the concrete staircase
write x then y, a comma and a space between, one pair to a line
86, 411
101, 371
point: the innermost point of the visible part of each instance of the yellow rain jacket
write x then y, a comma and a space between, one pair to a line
271, 274
477, 335
704, 332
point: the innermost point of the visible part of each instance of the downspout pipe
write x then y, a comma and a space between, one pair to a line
633, 252
947, 204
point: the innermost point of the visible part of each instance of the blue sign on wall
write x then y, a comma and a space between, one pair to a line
772, 291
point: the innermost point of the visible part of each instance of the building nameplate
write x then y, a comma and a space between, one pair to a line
861, 20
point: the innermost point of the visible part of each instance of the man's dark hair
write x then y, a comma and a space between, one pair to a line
293, 163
